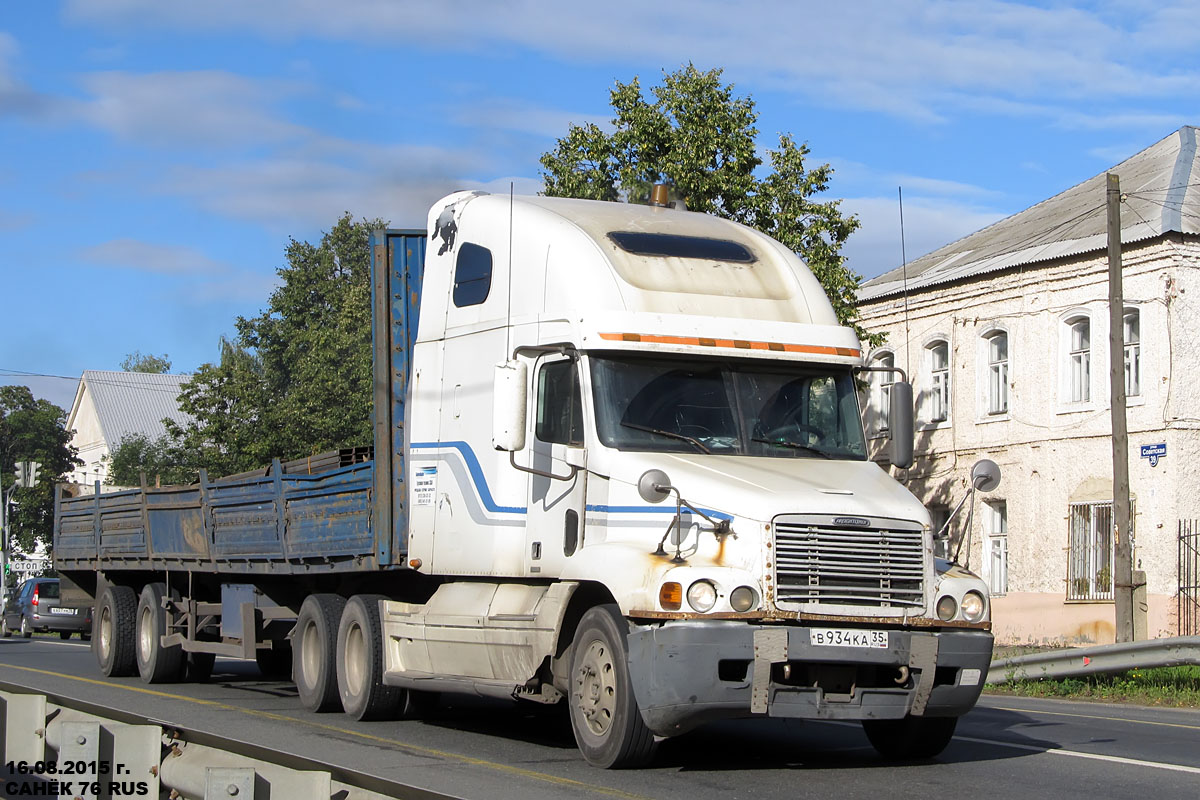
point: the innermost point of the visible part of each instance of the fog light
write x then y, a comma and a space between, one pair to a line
670, 596
702, 596
973, 606
947, 608
743, 598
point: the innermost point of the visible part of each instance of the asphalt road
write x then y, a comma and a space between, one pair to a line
471, 748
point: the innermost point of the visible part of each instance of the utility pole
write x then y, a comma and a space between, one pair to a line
1123, 555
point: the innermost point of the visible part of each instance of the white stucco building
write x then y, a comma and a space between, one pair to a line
112, 405
1005, 336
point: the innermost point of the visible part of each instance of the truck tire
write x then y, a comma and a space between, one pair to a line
360, 662
604, 713
911, 738
314, 651
114, 623
155, 663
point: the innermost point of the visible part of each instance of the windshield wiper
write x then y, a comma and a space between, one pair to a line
669, 435
793, 445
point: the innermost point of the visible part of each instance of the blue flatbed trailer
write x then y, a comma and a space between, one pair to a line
247, 549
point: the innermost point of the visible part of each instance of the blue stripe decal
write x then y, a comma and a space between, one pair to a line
666, 509
485, 494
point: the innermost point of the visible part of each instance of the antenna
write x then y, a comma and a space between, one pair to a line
904, 272
508, 302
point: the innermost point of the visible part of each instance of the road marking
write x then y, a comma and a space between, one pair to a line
1055, 751
404, 746
1093, 716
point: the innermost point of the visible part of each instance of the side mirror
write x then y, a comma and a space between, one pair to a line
985, 475
509, 405
654, 486
900, 424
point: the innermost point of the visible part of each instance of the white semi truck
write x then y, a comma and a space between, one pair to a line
619, 463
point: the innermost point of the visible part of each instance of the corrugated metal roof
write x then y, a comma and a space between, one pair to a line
135, 402
1161, 185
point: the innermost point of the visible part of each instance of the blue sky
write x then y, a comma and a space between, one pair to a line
156, 156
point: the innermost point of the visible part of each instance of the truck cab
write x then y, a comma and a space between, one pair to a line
644, 423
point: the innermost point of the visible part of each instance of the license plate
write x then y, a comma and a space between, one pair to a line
847, 637
70, 611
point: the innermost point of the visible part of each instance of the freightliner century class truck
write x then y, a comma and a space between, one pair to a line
619, 463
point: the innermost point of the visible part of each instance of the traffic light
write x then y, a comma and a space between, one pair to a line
27, 474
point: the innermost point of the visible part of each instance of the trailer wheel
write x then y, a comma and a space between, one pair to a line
114, 623
604, 714
911, 738
155, 663
360, 662
314, 651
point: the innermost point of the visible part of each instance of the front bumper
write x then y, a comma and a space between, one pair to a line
689, 672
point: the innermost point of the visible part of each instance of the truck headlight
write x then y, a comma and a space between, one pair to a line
743, 598
946, 608
973, 606
702, 596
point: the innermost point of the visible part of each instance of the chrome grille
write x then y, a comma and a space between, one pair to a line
818, 562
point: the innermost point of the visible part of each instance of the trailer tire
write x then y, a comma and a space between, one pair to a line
114, 639
155, 663
314, 651
604, 713
910, 738
360, 662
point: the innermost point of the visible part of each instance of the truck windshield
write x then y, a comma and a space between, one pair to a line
726, 407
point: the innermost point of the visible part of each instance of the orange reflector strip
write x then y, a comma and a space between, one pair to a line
740, 344
670, 596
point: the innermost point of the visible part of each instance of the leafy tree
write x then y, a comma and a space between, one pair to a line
159, 459
136, 362
696, 134
297, 378
33, 430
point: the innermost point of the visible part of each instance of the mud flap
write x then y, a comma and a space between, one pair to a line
770, 647
922, 656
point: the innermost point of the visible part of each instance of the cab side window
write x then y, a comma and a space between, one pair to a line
472, 275
560, 404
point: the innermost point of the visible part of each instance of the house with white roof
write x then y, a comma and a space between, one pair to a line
112, 405
1005, 336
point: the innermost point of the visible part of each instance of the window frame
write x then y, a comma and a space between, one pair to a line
940, 383
1076, 374
577, 425
996, 533
1091, 526
1132, 348
997, 374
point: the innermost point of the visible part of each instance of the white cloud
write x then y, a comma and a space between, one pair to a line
149, 257
929, 224
501, 113
208, 109
912, 59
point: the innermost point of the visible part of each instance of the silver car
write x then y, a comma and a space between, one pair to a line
34, 606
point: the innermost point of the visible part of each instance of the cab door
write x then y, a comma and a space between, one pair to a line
557, 481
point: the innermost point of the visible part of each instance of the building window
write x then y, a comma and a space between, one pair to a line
1090, 551
1079, 364
1133, 354
997, 377
938, 355
996, 561
472, 275
883, 389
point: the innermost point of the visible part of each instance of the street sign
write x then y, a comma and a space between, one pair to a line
1154, 452
30, 565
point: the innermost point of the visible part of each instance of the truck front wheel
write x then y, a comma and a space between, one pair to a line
360, 662
911, 738
114, 642
155, 663
604, 714
314, 651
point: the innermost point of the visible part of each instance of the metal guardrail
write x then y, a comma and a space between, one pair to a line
60, 747
1098, 660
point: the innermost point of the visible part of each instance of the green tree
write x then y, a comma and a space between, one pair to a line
159, 459
698, 136
33, 430
136, 362
297, 378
